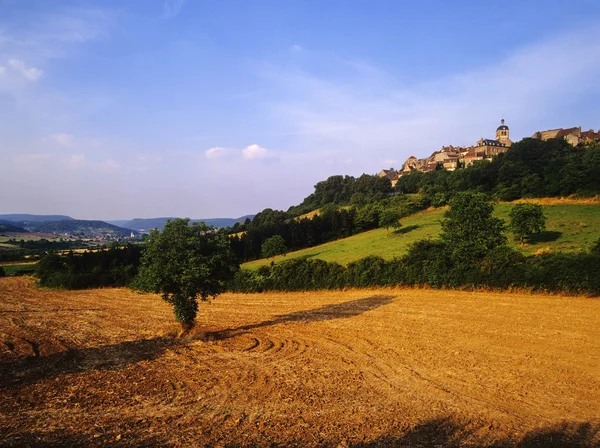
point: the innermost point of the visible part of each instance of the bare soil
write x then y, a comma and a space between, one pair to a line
388, 367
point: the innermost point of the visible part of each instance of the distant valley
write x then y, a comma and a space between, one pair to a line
108, 230
147, 224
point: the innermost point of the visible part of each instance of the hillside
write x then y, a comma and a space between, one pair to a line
9, 226
79, 227
15, 217
570, 227
146, 224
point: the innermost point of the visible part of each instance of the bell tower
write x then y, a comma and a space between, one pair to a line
503, 134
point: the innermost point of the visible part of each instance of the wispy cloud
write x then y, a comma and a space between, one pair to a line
373, 118
76, 161
172, 8
62, 139
216, 153
29, 73
111, 165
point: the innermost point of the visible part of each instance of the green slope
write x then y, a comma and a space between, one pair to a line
570, 227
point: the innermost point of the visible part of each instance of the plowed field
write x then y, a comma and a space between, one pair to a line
389, 367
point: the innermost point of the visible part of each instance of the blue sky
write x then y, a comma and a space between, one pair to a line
143, 108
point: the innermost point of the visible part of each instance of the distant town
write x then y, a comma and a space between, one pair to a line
452, 157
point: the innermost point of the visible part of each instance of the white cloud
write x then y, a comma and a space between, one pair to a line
296, 48
29, 73
27, 159
256, 152
2, 70
216, 153
172, 7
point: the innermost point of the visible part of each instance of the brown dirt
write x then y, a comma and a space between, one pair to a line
389, 367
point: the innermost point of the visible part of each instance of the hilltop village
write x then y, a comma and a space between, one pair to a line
453, 157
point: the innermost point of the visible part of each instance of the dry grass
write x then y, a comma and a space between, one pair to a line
594, 200
401, 367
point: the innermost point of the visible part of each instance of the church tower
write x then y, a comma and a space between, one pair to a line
502, 134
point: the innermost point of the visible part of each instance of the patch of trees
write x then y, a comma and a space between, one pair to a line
530, 168
471, 252
116, 266
332, 223
343, 190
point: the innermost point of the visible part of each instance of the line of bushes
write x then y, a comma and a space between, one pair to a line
429, 263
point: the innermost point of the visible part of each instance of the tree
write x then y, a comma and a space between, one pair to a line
273, 246
526, 219
469, 227
186, 262
390, 218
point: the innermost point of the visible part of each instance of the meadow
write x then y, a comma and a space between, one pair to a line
357, 368
569, 227
18, 268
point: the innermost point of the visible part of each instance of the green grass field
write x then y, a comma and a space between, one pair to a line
19, 269
570, 227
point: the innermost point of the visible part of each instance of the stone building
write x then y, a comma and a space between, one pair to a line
572, 135
451, 157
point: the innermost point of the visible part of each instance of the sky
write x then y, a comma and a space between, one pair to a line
200, 108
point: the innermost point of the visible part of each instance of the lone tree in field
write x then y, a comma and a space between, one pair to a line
186, 262
390, 218
273, 246
469, 228
526, 219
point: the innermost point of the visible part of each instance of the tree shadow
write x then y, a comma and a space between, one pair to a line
443, 432
407, 229
327, 312
434, 433
545, 236
32, 369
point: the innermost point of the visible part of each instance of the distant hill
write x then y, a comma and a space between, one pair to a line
9, 226
78, 227
33, 218
146, 224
